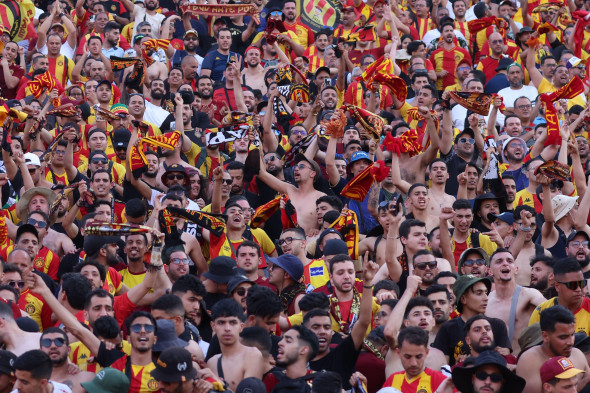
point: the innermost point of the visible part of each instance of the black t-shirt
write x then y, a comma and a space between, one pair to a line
451, 338
341, 359
455, 165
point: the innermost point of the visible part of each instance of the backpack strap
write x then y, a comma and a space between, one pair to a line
512, 318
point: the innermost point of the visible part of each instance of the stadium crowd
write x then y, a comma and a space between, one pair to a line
294, 196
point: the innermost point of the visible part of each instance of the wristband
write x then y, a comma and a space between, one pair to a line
525, 229
62, 15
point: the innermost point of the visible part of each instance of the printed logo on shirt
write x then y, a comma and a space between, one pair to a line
39, 263
152, 384
30, 308
316, 271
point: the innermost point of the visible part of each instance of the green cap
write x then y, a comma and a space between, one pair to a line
529, 337
465, 282
465, 253
107, 380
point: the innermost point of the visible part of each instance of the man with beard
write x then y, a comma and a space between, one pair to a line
570, 285
154, 112
253, 73
296, 349
191, 44
523, 109
315, 52
101, 184
557, 329
577, 248
215, 63
516, 89
513, 152
103, 250
248, 258
177, 261
204, 90
528, 196
226, 94
447, 56
137, 109
542, 277
510, 187
285, 273
472, 295
148, 14
508, 301
522, 247
39, 64
440, 298
304, 34
148, 177
425, 267
110, 47
236, 171
55, 343
480, 337
342, 359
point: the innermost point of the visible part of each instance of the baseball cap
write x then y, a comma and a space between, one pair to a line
7, 359
191, 32
574, 234
97, 152
335, 246
104, 82
558, 367
468, 251
32, 159
251, 385
221, 269
93, 243
121, 137
289, 263
465, 282
174, 365
507, 217
504, 63
324, 68
137, 38
107, 380
574, 62
234, 282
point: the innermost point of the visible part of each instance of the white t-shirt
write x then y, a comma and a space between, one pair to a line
154, 20
65, 50
510, 95
155, 114
57, 388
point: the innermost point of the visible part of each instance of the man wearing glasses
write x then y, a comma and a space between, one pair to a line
577, 248
571, 287
489, 373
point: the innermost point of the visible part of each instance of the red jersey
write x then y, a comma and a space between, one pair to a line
443, 59
36, 307
427, 382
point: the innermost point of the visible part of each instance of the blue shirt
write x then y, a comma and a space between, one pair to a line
216, 62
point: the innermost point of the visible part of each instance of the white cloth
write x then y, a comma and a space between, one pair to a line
155, 21
510, 95
155, 114
57, 388
435, 34
65, 50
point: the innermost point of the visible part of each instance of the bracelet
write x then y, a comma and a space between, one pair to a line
62, 15
525, 229
368, 287
315, 113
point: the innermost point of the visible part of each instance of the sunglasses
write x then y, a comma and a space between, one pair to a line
180, 261
573, 285
172, 176
33, 222
494, 377
191, 38
226, 181
59, 342
270, 159
423, 265
299, 132
138, 327
14, 284
241, 291
471, 262
471, 141
578, 244
276, 13
287, 240
301, 166
60, 152
32, 170
99, 161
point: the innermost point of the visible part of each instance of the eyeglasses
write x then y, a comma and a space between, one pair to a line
299, 132
471, 141
14, 284
471, 262
241, 291
494, 377
59, 342
287, 240
138, 327
193, 38
226, 181
494, 42
180, 261
369, 96
41, 224
423, 265
172, 176
583, 68
301, 166
464, 68
270, 159
550, 65
99, 160
578, 244
276, 13
60, 152
573, 285
522, 107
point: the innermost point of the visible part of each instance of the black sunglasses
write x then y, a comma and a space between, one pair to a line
471, 262
14, 284
59, 342
423, 265
99, 160
494, 377
573, 285
172, 176
136, 328
33, 222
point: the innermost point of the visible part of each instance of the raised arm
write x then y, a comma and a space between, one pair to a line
534, 73
333, 175
77, 71
430, 153
396, 177
217, 183
238, 93
365, 311
548, 232
396, 318
45, 26
269, 141
19, 159
72, 31
273, 182
446, 138
446, 214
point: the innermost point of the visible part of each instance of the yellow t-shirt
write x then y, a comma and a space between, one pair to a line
582, 314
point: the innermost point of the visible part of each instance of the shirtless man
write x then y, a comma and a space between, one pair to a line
237, 361
376, 244
12, 338
157, 70
253, 73
503, 269
418, 200
55, 343
558, 329
306, 172
523, 248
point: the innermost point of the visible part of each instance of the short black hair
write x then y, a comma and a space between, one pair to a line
339, 258
141, 314
546, 260
436, 288
263, 302
388, 285
106, 327
462, 204
112, 25
445, 274
331, 200
413, 46
53, 329
418, 301
76, 287
404, 228
249, 243
170, 304
474, 318
36, 362
316, 312
187, 283
135, 208
255, 336
553, 315
309, 339
498, 251
419, 74
313, 300
99, 292
566, 265
226, 308
327, 382
413, 335
102, 272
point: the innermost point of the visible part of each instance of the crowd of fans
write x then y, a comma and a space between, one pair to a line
294, 196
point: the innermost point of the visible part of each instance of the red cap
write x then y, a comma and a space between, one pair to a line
558, 367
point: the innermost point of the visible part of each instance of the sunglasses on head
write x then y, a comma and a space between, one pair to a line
494, 377
138, 327
33, 222
59, 342
172, 176
573, 285
241, 291
423, 265
471, 262
14, 284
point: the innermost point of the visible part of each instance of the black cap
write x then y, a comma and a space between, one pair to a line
524, 30
27, 228
97, 153
251, 385
324, 68
574, 234
221, 269
121, 137
93, 243
7, 359
137, 38
104, 82
174, 365
504, 63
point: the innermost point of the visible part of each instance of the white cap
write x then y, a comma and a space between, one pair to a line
32, 159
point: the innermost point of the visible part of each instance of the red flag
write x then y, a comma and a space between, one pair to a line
573, 88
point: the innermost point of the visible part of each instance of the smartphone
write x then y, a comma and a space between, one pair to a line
395, 205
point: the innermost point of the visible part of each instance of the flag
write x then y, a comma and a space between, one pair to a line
579, 16
370, 121
40, 82
264, 212
317, 14
166, 141
169, 229
476, 102
213, 222
478, 25
218, 10
67, 110
347, 225
379, 66
99, 228
572, 89
335, 126
288, 214
297, 148
358, 188
18, 15
396, 84
3, 112
406, 143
